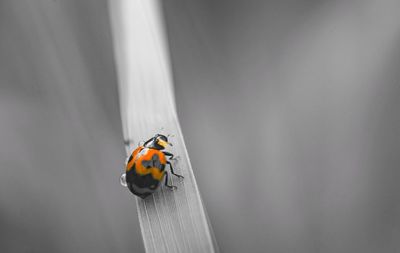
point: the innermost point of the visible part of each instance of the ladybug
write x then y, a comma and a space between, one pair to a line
145, 168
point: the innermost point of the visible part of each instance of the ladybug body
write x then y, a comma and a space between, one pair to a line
145, 168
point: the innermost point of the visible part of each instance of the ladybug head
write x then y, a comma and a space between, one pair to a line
159, 142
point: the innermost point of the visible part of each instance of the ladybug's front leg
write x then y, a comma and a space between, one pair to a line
171, 156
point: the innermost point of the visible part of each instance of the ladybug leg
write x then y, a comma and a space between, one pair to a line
171, 156
128, 143
172, 187
176, 158
172, 170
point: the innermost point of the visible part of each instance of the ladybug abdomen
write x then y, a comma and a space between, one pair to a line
141, 185
145, 170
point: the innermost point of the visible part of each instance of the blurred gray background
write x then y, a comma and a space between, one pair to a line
289, 111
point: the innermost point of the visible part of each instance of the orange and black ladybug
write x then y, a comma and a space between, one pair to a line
145, 168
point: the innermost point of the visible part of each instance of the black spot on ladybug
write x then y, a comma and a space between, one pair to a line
130, 159
154, 162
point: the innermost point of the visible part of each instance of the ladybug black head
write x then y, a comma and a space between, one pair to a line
159, 142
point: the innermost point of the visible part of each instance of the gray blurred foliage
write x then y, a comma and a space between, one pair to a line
290, 111
61, 147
